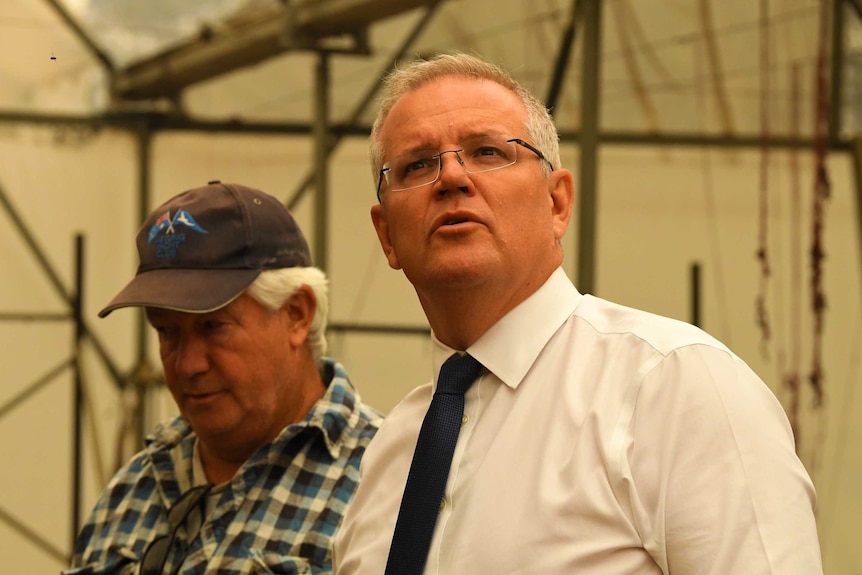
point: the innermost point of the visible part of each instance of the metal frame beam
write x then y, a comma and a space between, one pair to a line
251, 39
589, 141
335, 133
57, 283
172, 123
561, 62
321, 162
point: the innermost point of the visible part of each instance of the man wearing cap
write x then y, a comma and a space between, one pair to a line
256, 472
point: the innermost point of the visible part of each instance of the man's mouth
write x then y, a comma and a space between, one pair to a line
454, 219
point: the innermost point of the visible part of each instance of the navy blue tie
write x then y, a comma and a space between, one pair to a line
426, 482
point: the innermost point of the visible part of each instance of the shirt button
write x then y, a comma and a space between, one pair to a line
464, 419
442, 504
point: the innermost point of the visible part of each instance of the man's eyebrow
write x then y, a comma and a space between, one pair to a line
476, 134
427, 146
423, 146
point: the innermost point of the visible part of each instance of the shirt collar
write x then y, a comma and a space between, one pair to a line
509, 348
337, 411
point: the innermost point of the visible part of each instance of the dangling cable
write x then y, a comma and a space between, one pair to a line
715, 69
821, 196
763, 232
791, 378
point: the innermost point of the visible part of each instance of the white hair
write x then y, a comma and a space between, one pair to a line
274, 287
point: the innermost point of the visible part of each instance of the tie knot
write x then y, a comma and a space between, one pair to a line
457, 374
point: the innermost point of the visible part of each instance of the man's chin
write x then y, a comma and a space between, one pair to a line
454, 275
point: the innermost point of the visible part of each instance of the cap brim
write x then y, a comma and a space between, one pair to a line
186, 290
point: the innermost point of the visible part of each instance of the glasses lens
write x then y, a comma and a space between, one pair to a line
412, 170
487, 153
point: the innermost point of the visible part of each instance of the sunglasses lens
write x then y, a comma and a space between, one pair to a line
156, 553
155, 556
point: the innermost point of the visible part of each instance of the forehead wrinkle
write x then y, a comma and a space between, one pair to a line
427, 143
442, 113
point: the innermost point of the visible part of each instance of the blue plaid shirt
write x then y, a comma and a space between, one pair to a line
277, 514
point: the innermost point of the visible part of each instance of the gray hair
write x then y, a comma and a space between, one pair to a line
538, 124
274, 287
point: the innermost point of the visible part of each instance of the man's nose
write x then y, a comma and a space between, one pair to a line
453, 173
191, 356
456, 156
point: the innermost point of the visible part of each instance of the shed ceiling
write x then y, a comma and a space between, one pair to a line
714, 67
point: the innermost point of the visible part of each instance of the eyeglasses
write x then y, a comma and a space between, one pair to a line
157, 552
422, 167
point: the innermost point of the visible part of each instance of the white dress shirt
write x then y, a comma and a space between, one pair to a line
599, 440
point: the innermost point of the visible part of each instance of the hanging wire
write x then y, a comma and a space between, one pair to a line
821, 196
716, 70
791, 378
761, 310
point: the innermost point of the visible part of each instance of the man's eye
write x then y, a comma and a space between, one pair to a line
417, 165
488, 151
164, 332
213, 325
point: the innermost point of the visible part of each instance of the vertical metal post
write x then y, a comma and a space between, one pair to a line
145, 144
321, 162
857, 172
368, 99
590, 90
54, 278
78, 403
695, 294
145, 137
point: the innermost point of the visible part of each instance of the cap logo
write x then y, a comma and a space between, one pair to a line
167, 226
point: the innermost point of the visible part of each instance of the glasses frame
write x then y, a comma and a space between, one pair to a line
159, 549
439, 158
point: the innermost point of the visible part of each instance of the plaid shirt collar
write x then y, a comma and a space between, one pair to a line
334, 414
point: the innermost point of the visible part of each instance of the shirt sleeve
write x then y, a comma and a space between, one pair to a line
716, 484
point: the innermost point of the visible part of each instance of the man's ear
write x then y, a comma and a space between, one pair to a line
381, 226
562, 188
300, 309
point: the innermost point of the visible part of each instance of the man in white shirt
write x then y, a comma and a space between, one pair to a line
597, 439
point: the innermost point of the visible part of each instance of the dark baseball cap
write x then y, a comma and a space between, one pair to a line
201, 249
